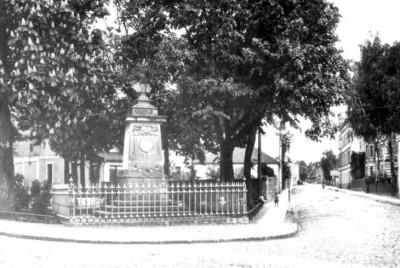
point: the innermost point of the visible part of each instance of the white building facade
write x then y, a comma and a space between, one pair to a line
348, 143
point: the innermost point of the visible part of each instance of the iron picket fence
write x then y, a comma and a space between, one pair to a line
113, 202
358, 185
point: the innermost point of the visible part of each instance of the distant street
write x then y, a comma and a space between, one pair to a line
338, 230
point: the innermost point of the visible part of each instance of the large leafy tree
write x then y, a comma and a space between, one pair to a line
328, 163
304, 170
245, 61
46, 54
97, 122
285, 140
150, 52
373, 104
256, 59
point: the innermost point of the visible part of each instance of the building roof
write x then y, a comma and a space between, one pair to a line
112, 157
335, 173
238, 157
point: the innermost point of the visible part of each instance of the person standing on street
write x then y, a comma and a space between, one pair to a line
323, 184
276, 199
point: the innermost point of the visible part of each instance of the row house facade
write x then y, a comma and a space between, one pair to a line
349, 144
37, 161
384, 158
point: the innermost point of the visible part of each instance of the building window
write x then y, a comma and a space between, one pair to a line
348, 157
371, 150
49, 172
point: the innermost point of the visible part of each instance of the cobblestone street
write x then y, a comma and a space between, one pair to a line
338, 230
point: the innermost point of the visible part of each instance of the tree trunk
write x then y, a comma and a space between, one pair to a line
377, 161
91, 172
66, 170
166, 158
6, 127
392, 169
226, 164
282, 160
82, 170
74, 172
6, 148
248, 164
259, 163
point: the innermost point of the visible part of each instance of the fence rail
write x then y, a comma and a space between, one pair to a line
358, 185
113, 202
380, 188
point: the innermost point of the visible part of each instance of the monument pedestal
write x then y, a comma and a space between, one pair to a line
143, 161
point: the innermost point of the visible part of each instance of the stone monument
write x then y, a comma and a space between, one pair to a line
143, 160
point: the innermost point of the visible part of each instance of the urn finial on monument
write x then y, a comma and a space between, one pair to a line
143, 158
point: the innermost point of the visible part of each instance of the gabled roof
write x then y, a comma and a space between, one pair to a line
238, 157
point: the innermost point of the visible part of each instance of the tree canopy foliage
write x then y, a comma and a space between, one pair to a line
374, 96
231, 64
372, 109
49, 70
328, 163
246, 61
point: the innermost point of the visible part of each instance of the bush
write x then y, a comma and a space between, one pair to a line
20, 196
239, 173
35, 189
369, 179
212, 173
41, 197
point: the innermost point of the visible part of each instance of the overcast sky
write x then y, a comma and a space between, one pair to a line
361, 20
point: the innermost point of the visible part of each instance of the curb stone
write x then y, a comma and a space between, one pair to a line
367, 196
195, 241
270, 226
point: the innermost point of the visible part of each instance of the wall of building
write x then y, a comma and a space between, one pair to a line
348, 143
36, 168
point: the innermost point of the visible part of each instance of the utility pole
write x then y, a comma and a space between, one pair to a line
259, 162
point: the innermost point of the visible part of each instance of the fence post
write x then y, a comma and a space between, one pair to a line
71, 201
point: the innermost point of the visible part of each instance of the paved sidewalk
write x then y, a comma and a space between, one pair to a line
269, 224
379, 198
